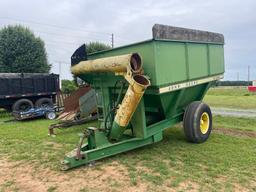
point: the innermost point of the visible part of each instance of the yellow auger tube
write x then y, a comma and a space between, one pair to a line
135, 91
116, 64
130, 66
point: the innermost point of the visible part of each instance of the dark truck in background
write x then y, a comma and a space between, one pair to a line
23, 91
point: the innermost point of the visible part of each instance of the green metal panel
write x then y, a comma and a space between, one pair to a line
138, 121
174, 102
170, 62
197, 60
216, 58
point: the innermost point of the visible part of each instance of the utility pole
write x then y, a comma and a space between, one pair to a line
60, 73
112, 40
248, 73
237, 76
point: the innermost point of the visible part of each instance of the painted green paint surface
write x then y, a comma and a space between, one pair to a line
216, 59
183, 61
197, 60
170, 62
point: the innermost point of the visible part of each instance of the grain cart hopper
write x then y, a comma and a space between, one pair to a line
146, 87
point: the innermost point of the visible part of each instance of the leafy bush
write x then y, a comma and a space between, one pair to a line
96, 46
68, 86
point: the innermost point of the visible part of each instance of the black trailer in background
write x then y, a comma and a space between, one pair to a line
20, 91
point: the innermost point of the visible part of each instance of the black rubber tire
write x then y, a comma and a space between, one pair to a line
22, 105
191, 122
44, 102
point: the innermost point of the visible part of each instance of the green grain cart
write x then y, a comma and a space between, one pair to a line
146, 87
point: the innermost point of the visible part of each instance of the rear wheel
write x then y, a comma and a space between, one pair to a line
44, 102
197, 122
22, 105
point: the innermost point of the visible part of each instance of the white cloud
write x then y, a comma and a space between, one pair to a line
132, 20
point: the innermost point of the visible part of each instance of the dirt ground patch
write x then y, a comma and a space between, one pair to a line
20, 176
23, 177
235, 132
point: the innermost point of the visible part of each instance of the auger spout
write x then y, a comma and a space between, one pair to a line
130, 66
117, 64
134, 93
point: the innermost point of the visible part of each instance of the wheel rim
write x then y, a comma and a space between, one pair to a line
51, 115
204, 123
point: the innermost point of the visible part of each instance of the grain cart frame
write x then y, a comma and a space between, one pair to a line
146, 87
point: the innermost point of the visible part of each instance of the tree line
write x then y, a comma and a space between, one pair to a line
233, 83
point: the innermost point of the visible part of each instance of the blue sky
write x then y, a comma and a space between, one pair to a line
65, 24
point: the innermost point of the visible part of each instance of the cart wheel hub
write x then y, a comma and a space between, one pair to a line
204, 123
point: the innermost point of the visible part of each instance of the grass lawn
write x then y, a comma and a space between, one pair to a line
240, 123
223, 163
231, 98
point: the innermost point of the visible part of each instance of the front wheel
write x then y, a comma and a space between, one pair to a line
197, 122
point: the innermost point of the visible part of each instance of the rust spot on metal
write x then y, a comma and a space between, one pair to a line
71, 103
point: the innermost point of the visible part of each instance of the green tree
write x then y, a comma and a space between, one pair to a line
68, 86
96, 46
21, 51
